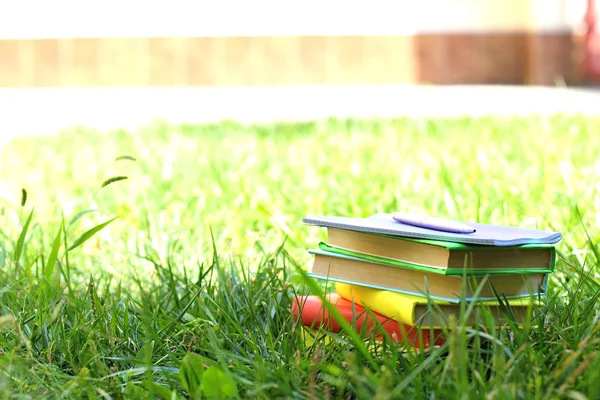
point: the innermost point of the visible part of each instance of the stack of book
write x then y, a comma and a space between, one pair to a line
414, 278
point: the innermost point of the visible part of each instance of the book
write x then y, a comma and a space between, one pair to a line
424, 313
450, 257
347, 269
310, 311
486, 234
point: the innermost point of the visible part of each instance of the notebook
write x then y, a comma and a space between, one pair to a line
486, 234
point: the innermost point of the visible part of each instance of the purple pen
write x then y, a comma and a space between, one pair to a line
437, 224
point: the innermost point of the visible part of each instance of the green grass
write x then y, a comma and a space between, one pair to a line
187, 293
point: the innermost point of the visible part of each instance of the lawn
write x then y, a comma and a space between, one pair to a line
187, 292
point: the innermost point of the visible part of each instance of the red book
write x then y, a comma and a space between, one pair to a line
311, 313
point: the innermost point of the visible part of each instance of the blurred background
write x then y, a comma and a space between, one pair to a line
269, 42
270, 59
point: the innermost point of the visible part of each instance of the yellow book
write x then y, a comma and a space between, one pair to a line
415, 310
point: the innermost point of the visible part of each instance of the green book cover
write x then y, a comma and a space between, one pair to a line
438, 270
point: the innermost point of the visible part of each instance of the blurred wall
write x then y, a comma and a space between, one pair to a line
271, 42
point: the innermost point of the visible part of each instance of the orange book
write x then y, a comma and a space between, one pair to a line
310, 311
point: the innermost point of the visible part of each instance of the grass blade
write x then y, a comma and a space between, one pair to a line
314, 287
79, 215
21, 240
53, 254
88, 234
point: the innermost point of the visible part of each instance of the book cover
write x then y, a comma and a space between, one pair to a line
467, 271
419, 311
311, 312
486, 234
